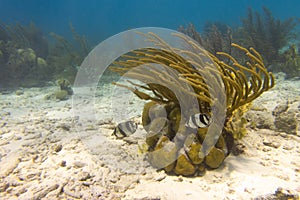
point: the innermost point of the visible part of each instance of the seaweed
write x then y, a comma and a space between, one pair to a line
216, 36
291, 65
243, 83
266, 33
65, 56
191, 31
269, 35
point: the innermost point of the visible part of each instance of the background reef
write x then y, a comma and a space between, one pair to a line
28, 57
31, 57
276, 39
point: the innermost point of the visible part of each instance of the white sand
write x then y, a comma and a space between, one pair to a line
92, 164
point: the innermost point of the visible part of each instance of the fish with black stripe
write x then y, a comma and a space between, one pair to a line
125, 129
199, 120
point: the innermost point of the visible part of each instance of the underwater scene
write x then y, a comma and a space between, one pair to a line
150, 100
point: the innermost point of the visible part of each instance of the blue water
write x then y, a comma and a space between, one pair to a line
99, 19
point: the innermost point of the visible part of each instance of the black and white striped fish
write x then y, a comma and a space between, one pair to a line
199, 120
124, 129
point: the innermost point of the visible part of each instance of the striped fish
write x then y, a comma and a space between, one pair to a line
199, 120
125, 129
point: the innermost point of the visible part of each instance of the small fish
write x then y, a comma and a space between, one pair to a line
124, 129
199, 120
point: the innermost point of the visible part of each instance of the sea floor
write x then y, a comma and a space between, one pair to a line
51, 149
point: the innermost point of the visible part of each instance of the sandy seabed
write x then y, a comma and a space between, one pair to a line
48, 150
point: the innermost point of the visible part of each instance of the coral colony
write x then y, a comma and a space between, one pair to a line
176, 147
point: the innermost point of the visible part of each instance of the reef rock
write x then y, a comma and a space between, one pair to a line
261, 119
281, 194
215, 158
287, 117
164, 154
184, 166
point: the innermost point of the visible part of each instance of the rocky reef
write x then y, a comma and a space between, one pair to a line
171, 144
286, 117
23, 52
29, 58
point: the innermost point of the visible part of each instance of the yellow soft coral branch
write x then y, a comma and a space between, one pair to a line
243, 83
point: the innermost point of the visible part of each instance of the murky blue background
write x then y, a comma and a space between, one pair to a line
99, 19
